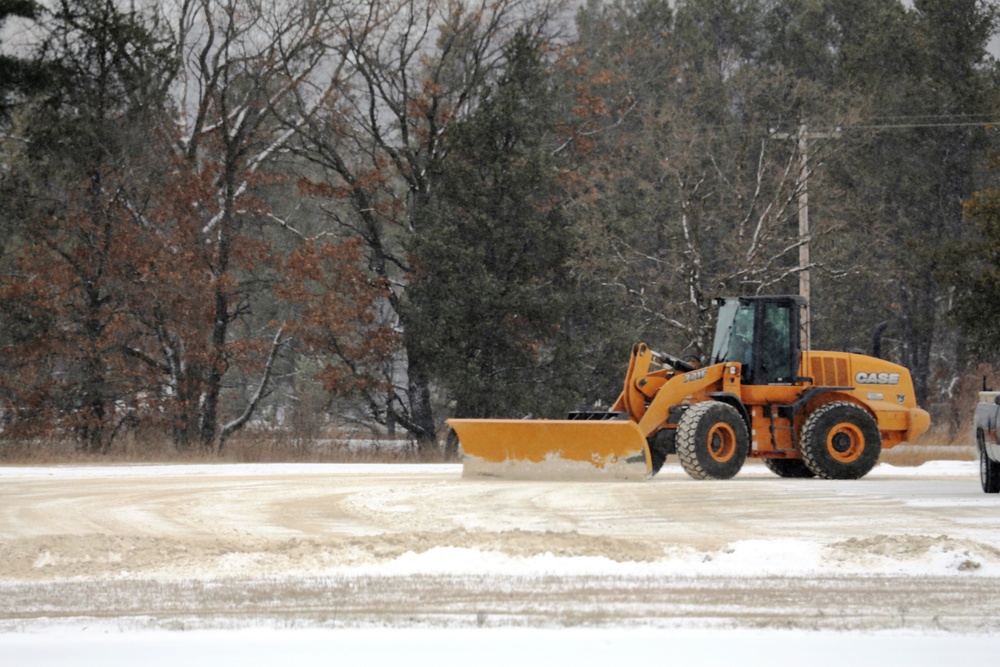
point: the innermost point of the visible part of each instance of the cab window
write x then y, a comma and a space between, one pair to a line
776, 344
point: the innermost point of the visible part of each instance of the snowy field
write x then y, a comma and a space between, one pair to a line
412, 564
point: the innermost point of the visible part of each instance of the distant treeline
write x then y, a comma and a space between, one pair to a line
220, 214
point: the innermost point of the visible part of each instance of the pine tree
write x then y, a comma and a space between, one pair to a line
19, 75
489, 292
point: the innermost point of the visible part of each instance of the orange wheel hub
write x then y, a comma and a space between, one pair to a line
845, 442
721, 442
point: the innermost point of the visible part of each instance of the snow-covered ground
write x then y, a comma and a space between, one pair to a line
412, 564
499, 648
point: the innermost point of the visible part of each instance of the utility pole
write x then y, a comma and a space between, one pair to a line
803, 136
804, 215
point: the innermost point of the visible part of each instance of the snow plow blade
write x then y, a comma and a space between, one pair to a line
543, 449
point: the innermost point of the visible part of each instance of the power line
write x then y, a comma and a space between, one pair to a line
937, 115
906, 126
910, 121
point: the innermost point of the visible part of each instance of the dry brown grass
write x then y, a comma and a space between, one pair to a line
242, 448
938, 444
278, 447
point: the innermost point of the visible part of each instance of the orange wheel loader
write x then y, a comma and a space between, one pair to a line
763, 395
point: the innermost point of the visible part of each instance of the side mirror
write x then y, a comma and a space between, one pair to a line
996, 400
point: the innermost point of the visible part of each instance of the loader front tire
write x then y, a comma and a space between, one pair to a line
712, 441
661, 446
657, 457
841, 440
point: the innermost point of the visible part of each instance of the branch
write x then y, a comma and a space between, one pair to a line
145, 358
276, 344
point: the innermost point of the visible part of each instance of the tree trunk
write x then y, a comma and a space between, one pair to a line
421, 413
213, 379
919, 318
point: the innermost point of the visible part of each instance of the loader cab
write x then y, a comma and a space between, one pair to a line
762, 333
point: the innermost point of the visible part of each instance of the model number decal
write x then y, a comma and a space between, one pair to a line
695, 375
876, 378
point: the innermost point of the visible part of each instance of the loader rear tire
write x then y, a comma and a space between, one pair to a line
712, 441
841, 440
790, 468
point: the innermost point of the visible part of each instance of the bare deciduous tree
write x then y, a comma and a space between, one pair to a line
405, 70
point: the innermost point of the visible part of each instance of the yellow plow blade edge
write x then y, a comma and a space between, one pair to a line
552, 449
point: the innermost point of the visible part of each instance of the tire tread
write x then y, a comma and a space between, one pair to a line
688, 442
813, 443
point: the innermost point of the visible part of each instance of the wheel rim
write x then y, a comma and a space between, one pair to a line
721, 442
845, 442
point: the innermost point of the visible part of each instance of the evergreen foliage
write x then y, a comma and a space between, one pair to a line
491, 281
20, 74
